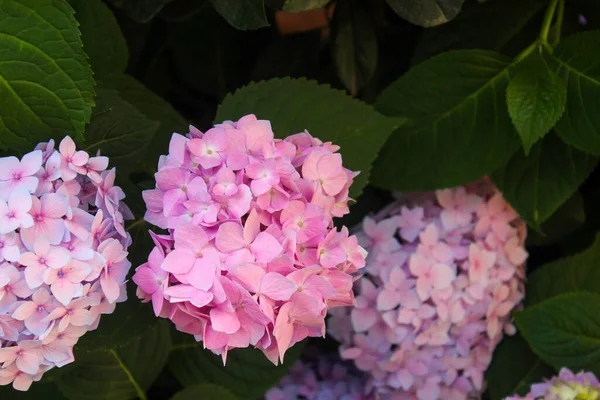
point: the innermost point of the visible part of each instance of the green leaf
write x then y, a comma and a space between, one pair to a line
564, 330
130, 321
567, 219
204, 391
536, 185
45, 389
460, 127
293, 105
46, 83
505, 377
570, 274
154, 108
141, 10
102, 38
118, 373
536, 99
243, 15
119, 131
248, 374
354, 45
294, 6
578, 65
426, 12
490, 26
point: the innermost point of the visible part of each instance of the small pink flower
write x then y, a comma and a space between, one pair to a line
47, 214
18, 175
430, 275
43, 256
208, 149
326, 170
12, 285
66, 281
15, 213
27, 356
152, 279
9, 250
72, 160
33, 312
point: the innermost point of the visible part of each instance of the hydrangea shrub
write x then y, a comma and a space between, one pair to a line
63, 256
252, 257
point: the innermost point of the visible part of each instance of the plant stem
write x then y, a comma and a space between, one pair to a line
543, 37
559, 22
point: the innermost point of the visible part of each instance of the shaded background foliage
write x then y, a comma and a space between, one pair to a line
159, 65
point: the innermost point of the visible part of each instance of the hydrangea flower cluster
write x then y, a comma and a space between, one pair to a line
320, 378
443, 273
565, 386
62, 256
251, 257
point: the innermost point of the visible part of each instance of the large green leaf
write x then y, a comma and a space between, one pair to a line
119, 130
204, 391
491, 26
102, 38
567, 219
248, 373
577, 63
46, 83
564, 330
537, 184
121, 372
354, 45
244, 15
294, 105
154, 108
505, 377
460, 126
536, 99
44, 389
571, 274
426, 12
294, 6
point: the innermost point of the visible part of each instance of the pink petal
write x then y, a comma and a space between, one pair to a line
31, 162
265, 247
442, 276
63, 291
54, 205
230, 237
179, 261
387, 300
223, 321
248, 275
276, 286
363, 319
202, 275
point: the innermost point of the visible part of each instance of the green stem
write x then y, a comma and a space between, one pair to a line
547, 21
559, 22
542, 39
140, 392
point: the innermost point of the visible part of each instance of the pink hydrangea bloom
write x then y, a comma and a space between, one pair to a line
251, 257
565, 386
320, 377
61, 256
437, 293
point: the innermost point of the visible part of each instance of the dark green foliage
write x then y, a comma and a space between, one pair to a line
419, 94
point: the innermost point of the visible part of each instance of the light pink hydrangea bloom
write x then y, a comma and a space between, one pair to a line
251, 257
322, 377
565, 386
443, 273
55, 269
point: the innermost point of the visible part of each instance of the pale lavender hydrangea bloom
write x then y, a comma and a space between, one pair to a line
444, 271
320, 378
62, 256
565, 386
